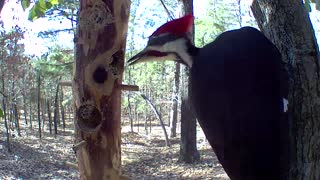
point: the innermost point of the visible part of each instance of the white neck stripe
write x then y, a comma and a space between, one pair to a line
179, 46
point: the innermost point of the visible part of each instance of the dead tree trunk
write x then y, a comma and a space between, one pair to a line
100, 49
288, 25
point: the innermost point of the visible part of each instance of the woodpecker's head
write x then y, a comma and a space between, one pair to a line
169, 42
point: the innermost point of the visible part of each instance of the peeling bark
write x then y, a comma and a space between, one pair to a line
287, 24
100, 48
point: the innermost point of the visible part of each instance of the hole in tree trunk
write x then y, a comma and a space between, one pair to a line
89, 118
100, 75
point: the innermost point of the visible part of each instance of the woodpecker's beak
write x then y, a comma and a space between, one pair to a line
137, 58
147, 55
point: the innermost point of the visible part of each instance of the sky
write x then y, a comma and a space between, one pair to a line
12, 14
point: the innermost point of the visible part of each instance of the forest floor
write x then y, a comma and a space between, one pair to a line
143, 156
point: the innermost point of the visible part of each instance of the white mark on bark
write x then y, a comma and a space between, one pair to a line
285, 104
267, 12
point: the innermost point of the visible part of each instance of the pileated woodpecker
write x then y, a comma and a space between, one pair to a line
238, 83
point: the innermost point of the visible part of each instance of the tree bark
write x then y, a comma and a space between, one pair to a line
62, 110
288, 25
15, 109
49, 115
100, 49
188, 148
174, 106
4, 109
16, 117
24, 98
30, 113
38, 104
56, 110
43, 113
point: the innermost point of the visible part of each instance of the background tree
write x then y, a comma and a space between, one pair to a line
188, 148
289, 27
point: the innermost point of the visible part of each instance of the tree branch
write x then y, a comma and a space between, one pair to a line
47, 33
4, 95
156, 112
65, 83
63, 64
165, 7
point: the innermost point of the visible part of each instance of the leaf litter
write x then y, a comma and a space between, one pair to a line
143, 156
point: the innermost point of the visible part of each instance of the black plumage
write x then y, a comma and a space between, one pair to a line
238, 85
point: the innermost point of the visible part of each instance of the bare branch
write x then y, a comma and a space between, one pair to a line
47, 33
126, 87
4, 95
63, 64
165, 7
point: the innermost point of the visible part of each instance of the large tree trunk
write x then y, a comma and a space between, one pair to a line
100, 49
188, 148
288, 25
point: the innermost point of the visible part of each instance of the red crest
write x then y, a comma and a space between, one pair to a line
177, 26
